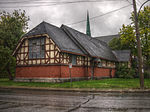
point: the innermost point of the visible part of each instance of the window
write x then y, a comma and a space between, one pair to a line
74, 59
36, 48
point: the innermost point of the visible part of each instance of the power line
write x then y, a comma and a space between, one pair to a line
100, 15
139, 1
14, 2
38, 3
128, 1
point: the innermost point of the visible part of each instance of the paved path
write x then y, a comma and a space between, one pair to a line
20, 100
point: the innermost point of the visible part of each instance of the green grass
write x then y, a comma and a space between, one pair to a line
114, 83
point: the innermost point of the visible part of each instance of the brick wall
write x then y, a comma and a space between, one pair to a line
38, 71
103, 72
57, 71
76, 71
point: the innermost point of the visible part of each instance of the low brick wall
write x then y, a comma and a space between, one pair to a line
55, 71
38, 71
58, 72
104, 72
76, 71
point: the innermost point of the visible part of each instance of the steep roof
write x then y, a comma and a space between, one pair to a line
57, 35
107, 38
62, 39
39, 29
93, 47
105, 52
72, 41
122, 55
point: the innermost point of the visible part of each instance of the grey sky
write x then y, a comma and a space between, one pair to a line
108, 24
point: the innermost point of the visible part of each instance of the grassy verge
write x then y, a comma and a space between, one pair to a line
114, 83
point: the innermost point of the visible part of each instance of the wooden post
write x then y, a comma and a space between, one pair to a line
70, 66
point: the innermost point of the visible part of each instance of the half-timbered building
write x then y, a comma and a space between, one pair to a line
45, 52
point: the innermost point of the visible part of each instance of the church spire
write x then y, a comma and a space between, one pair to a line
88, 31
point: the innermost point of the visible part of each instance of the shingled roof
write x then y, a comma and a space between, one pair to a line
72, 41
57, 35
122, 55
93, 47
107, 38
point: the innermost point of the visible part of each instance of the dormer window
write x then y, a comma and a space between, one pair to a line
36, 48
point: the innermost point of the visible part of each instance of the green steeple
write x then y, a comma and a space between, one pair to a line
88, 31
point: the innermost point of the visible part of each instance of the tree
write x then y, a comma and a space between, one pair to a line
115, 44
12, 27
127, 38
144, 24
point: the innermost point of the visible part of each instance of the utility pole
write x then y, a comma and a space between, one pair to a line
140, 63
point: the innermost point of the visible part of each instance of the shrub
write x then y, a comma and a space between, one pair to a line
124, 72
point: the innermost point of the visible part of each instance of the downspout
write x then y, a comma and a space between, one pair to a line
60, 70
110, 73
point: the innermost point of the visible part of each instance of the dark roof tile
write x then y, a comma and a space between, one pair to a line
71, 40
92, 46
122, 55
107, 38
57, 35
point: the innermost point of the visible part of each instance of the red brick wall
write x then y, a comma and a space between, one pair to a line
57, 71
113, 72
50, 71
38, 71
103, 72
76, 71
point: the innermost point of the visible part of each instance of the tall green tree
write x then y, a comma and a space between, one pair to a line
115, 44
144, 24
12, 27
127, 38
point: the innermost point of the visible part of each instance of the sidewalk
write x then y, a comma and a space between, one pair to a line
78, 89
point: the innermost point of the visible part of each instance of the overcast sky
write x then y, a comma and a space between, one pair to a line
72, 13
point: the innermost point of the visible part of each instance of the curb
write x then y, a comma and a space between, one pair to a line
92, 90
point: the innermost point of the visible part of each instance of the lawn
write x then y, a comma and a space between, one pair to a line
115, 83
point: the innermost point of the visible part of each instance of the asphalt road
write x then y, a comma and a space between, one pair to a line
20, 100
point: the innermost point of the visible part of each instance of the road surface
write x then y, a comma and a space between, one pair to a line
23, 100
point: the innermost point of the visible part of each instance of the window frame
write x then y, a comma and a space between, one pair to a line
74, 57
40, 42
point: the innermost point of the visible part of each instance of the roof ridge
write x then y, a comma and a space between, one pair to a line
76, 30
114, 53
73, 39
107, 35
44, 26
